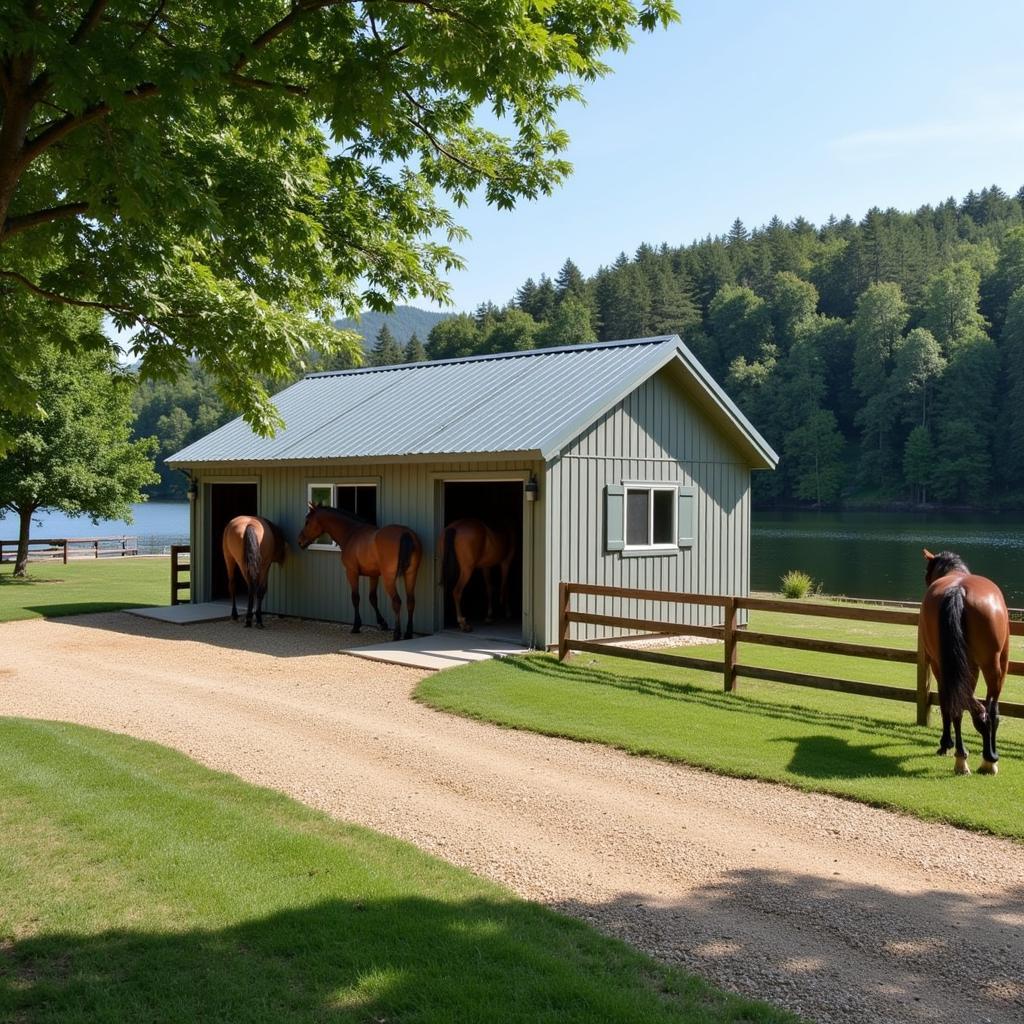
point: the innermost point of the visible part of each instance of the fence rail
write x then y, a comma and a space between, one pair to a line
730, 666
69, 548
180, 568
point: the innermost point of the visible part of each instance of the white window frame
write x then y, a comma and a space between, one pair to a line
669, 546
373, 482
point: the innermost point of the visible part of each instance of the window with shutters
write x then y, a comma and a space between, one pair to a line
651, 517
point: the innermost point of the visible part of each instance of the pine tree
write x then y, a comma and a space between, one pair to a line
386, 351
414, 350
569, 281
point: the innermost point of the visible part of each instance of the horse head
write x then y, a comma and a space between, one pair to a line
312, 528
942, 564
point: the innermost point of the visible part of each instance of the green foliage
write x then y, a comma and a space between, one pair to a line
77, 455
222, 179
796, 584
414, 350
386, 351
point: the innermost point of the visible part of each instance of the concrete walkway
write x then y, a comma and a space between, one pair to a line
441, 650
186, 614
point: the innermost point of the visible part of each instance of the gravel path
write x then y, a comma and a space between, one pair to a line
837, 911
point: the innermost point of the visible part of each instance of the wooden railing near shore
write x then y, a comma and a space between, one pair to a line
69, 548
181, 568
731, 667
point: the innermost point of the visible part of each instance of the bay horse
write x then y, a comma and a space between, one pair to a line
366, 550
251, 544
468, 545
964, 626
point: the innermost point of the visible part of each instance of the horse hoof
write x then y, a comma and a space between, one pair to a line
988, 768
259, 625
408, 636
356, 629
465, 627
961, 767
248, 625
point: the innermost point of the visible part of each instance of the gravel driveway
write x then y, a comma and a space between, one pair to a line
837, 911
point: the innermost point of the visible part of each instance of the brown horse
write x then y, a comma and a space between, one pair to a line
390, 551
964, 626
251, 545
468, 545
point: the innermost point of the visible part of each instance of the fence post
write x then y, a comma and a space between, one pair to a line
65, 551
729, 626
924, 704
563, 620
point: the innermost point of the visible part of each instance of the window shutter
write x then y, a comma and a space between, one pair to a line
614, 517
686, 523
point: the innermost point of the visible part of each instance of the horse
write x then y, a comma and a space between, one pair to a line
468, 545
251, 545
964, 626
390, 551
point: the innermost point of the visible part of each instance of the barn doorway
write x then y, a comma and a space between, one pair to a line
226, 502
498, 504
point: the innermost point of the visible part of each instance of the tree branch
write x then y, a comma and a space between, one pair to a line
14, 225
65, 300
90, 20
244, 82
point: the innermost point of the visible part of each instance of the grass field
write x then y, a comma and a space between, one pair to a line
860, 747
89, 585
138, 886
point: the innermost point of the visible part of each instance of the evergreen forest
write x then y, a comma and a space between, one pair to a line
882, 358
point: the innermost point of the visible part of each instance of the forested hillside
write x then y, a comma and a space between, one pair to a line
883, 359
403, 322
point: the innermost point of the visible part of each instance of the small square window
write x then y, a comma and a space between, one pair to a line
651, 517
356, 499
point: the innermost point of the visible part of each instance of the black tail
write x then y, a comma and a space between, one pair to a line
957, 676
252, 558
449, 563
406, 546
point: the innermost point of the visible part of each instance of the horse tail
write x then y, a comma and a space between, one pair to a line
252, 557
406, 546
954, 659
449, 563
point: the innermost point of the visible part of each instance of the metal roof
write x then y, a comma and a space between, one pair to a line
531, 402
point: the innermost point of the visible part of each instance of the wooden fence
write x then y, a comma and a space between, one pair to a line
180, 568
66, 548
731, 668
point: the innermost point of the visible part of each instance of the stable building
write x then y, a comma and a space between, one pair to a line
616, 463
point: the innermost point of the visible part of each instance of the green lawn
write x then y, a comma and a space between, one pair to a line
861, 747
138, 886
89, 585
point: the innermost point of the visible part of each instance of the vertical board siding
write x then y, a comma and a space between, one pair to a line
655, 434
311, 584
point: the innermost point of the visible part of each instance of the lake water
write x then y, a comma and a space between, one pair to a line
860, 554
157, 524
878, 554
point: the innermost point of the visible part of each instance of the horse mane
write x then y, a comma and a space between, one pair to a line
944, 563
351, 516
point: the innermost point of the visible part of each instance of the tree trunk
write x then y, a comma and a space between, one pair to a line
25, 519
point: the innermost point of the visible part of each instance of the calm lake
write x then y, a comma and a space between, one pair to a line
860, 554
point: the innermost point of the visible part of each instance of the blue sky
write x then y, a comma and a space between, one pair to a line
752, 109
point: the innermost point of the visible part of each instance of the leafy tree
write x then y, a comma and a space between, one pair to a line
740, 322
918, 461
454, 338
877, 329
414, 351
516, 331
570, 324
919, 366
222, 178
1011, 428
386, 351
814, 453
79, 456
951, 306
793, 304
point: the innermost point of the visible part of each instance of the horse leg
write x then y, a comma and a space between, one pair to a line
410, 599
489, 587
251, 585
960, 765
465, 573
391, 589
231, 591
353, 586
946, 742
995, 673
381, 621
506, 568
261, 591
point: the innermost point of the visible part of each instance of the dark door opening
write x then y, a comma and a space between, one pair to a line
498, 504
226, 502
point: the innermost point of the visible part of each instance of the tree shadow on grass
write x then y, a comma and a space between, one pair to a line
409, 960
578, 671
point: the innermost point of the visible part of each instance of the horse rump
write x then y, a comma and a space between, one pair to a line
406, 547
958, 675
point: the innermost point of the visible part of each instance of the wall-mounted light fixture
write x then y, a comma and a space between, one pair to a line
193, 489
532, 488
